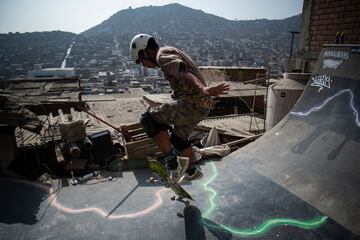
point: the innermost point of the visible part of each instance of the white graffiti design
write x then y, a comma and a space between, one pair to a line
336, 54
321, 81
333, 58
333, 64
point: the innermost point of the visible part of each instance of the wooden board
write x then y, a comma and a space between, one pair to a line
137, 143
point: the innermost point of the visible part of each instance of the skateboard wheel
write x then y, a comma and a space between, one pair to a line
172, 198
187, 203
152, 179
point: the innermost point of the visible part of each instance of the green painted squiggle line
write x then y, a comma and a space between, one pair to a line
269, 224
212, 192
262, 228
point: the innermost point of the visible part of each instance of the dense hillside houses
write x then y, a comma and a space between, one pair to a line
210, 40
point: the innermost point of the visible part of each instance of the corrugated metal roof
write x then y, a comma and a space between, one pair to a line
38, 90
237, 125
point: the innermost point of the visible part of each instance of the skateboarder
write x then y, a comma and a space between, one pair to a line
193, 102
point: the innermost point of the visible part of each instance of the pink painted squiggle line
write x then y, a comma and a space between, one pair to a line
54, 202
52, 199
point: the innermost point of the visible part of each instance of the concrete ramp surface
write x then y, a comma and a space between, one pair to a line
299, 181
314, 152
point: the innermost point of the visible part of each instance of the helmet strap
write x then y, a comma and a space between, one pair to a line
150, 58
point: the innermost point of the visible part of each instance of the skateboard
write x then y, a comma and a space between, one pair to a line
159, 169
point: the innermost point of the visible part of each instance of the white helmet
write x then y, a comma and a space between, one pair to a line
139, 42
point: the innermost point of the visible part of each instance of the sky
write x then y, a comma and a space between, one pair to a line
79, 15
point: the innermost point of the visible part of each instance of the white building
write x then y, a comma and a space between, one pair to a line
39, 72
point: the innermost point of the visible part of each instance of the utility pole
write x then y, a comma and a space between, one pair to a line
292, 42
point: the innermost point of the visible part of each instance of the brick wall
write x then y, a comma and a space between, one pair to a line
329, 17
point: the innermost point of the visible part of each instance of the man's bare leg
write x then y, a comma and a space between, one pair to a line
171, 160
162, 140
188, 152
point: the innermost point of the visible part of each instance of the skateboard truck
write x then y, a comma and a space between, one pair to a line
180, 199
160, 171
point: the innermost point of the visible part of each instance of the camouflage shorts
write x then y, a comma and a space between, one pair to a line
182, 115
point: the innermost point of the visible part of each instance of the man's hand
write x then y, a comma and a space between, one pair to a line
216, 90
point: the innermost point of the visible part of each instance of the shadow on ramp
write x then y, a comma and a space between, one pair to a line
20, 203
195, 226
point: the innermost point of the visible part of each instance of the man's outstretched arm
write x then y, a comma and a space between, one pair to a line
191, 80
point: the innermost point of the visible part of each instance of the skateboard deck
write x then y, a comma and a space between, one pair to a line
159, 169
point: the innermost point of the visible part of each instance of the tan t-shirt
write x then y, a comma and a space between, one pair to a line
171, 61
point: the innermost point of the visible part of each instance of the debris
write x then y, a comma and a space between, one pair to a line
103, 149
88, 176
59, 156
44, 178
218, 150
212, 138
74, 150
72, 131
86, 143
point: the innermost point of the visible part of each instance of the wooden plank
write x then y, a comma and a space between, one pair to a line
131, 126
136, 131
140, 137
138, 143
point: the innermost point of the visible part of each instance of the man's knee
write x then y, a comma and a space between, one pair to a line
179, 143
151, 126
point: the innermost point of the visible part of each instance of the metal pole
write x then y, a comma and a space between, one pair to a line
291, 45
292, 42
103, 121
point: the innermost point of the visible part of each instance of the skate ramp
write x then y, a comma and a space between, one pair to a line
299, 181
314, 152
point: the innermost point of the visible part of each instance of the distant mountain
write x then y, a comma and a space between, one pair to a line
35, 39
173, 23
158, 19
176, 19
